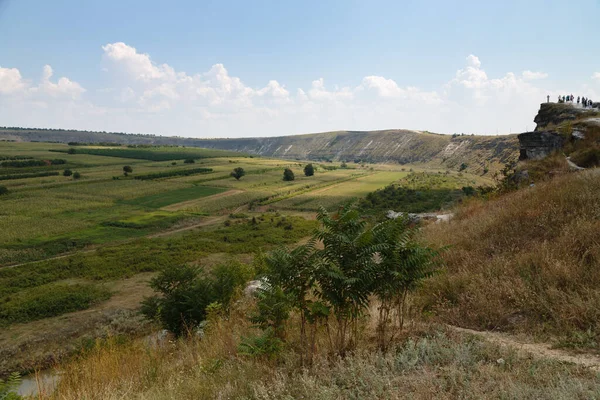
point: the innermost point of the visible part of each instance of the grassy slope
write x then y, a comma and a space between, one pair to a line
525, 262
432, 363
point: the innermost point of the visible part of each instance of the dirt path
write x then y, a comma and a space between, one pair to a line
540, 350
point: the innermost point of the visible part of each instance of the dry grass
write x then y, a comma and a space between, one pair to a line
428, 364
526, 261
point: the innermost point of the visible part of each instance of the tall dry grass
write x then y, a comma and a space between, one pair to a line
432, 363
526, 261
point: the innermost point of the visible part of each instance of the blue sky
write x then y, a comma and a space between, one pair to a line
224, 69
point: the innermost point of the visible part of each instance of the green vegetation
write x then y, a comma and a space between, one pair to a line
31, 163
143, 255
48, 301
3, 190
127, 170
309, 170
237, 173
189, 161
400, 198
187, 292
67, 172
175, 196
288, 175
8, 388
29, 175
155, 154
76, 175
179, 172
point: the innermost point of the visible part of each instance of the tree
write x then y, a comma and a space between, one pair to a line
67, 172
288, 175
76, 175
343, 165
127, 170
3, 190
71, 150
238, 172
309, 170
462, 167
403, 265
189, 161
345, 271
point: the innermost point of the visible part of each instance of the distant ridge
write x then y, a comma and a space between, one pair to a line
478, 153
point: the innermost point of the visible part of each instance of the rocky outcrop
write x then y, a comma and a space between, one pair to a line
538, 145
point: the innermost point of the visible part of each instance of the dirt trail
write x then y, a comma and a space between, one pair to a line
540, 350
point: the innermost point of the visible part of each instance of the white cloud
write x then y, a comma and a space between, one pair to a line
145, 96
10, 81
64, 87
530, 75
138, 66
596, 76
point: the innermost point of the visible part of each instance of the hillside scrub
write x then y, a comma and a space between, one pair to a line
426, 364
526, 261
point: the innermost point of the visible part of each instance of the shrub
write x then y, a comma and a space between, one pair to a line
189, 161
127, 170
30, 175
49, 301
67, 172
462, 167
166, 174
186, 292
309, 170
3, 190
238, 172
288, 175
587, 158
71, 150
76, 175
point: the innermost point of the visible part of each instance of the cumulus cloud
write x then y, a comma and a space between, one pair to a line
596, 76
145, 96
10, 81
64, 87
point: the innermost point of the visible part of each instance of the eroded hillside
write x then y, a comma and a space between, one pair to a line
478, 153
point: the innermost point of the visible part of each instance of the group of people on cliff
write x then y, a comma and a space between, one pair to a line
585, 102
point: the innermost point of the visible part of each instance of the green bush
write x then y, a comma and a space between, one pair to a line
67, 172
181, 172
309, 170
189, 161
29, 175
186, 292
288, 175
76, 175
9, 387
238, 172
49, 301
3, 190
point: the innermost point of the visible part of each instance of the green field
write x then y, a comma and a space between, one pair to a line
175, 196
71, 244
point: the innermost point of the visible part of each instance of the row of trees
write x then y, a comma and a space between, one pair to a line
329, 288
288, 174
